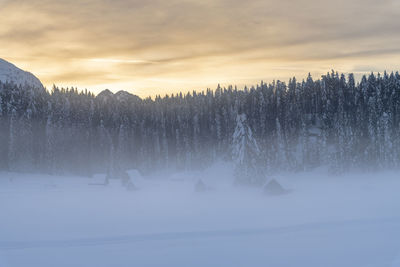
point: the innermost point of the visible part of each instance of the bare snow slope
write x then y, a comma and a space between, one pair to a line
11, 73
347, 221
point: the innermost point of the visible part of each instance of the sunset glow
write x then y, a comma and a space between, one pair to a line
158, 47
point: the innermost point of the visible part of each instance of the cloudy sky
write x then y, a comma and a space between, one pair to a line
153, 47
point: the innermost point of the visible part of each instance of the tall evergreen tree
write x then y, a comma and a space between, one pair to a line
245, 153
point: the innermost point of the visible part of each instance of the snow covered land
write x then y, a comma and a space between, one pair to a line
348, 220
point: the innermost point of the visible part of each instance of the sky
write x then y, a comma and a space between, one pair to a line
150, 47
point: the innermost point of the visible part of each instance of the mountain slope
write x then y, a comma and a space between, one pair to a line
11, 73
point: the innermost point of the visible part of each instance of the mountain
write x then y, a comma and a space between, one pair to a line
120, 96
126, 96
11, 73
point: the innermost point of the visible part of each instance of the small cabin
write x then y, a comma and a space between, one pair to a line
273, 188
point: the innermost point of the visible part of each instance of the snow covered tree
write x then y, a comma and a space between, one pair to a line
13, 140
245, 153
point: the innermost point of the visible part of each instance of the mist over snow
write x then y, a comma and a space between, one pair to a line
325, 220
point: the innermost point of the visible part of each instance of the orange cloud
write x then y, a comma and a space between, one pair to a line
156, 46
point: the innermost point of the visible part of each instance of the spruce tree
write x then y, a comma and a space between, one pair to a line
245, 153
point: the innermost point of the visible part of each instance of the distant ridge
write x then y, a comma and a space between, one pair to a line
120, 96
10, 73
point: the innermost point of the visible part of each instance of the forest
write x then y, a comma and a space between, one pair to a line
333, 121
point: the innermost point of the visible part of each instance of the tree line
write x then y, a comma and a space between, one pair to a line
332, 121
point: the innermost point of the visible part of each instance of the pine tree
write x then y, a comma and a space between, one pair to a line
50, 143
13, 140
245, 153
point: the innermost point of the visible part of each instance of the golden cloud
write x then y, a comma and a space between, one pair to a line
156, 46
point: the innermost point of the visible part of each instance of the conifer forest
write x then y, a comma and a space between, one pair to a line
295, 126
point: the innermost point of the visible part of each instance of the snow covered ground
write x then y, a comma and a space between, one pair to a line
351, 220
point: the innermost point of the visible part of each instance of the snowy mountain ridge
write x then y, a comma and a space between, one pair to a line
121, 96
11, 73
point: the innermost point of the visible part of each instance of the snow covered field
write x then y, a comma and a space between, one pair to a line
351, 220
